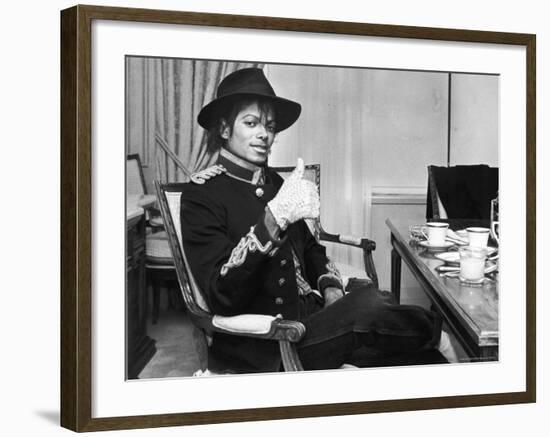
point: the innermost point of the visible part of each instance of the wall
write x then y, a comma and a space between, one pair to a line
474, 121
394, 117
383, 127
30, 322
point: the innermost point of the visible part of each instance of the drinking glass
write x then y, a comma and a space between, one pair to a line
472, 263
495, 220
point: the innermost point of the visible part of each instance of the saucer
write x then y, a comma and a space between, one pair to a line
436, 247
451, 258
470, 281
490, 250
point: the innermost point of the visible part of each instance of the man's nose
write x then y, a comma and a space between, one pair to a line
262, 132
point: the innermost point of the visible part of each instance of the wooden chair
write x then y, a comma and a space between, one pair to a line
159, 264
313, 173
285, 332
135, 186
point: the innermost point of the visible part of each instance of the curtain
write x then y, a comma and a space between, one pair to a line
165, 96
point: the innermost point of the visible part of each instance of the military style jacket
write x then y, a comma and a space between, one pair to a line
239, 264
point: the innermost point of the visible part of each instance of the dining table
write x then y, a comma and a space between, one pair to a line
470, 311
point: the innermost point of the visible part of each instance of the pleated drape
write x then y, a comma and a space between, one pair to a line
173, 91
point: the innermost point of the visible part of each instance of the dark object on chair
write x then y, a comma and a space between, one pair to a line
313, 173
464, 191
286, 332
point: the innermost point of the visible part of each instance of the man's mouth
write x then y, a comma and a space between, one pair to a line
261, 149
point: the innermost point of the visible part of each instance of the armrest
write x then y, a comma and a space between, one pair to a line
259, 326
349, 240
256, 324
365, 244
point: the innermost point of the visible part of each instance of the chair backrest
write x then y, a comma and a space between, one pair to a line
135, 181
462, 191
169, 198
434, 207
312, 173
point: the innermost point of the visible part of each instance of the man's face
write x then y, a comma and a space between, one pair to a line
252, 135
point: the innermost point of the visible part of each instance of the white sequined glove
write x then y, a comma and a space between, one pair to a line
297, 199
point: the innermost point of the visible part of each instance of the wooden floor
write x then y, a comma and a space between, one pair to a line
175, 356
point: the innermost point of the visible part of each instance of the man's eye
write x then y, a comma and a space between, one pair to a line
271, 128
250, 123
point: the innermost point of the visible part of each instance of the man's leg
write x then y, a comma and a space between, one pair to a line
369, 320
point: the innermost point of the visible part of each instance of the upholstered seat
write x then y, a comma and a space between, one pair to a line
157, 249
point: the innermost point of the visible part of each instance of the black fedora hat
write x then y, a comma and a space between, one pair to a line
249, 82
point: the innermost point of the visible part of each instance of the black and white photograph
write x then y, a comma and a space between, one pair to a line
295, 217
267, 218
272, 219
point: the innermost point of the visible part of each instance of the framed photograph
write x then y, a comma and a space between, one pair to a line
420, 143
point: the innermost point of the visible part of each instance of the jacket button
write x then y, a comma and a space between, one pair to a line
279, 301
259, 192
282, 282
283, 263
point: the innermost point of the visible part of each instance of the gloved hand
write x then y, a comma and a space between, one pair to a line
297, 199
332, 294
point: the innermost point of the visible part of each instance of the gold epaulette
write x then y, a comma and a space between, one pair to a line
202, 176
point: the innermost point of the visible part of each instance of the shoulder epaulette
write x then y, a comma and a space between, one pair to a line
202, 176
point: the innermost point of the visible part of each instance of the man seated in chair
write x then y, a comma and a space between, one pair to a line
251, 251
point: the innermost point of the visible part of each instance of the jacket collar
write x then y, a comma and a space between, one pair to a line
240, 169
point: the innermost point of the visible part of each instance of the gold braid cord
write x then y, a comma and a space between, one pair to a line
202, 176
248, 243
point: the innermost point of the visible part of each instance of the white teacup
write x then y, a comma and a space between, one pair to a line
435, 233
472, 263
478, 237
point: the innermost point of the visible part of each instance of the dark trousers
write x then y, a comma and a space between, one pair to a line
367, 328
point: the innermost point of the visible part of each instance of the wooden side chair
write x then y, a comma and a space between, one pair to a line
313, 173
159, 264
136, 187
285, 332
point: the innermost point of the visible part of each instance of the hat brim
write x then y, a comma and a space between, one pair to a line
286, 111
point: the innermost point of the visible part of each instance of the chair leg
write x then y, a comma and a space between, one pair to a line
200, 344
156, 300
174, 294
289, 355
